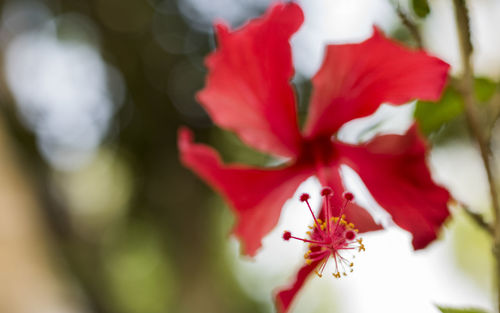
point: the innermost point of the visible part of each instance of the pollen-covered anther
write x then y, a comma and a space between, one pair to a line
361, 245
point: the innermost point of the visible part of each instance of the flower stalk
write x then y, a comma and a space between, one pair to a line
472, 117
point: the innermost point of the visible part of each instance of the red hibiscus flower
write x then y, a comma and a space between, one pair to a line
248, 91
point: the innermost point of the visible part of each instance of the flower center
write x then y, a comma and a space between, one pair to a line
334, 237
319, 151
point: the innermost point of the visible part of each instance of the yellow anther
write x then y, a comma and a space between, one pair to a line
351, 270
351, 265
308, 233
332, 219
310, 227
308, 262
344, 273
343, 216
336, 275
356, 230
361, 248
343, 222
318, 273
351, 225
320, 221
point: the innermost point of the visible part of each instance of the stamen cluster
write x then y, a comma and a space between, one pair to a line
333, 237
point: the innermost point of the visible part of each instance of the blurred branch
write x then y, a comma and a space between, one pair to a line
410, 24
467, 91
478, 219
493, 113
466, 88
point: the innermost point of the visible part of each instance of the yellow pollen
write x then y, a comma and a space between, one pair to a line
344, 273
361, 245
351, 265
308, 233
351, 225
318, 273
308, 262
336, 275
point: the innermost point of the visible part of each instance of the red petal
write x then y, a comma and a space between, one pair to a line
256, 195
356, 78
394, 169
247, 88
355, 214
285, 297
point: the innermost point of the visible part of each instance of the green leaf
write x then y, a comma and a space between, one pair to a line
432, 115
484, 89
421, 8
454, 310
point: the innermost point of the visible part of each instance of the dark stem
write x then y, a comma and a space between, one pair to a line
471, 114
493, 113
479, 220
412, 27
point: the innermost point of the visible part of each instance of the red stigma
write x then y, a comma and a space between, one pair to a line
348, 196
287, 235
326, 191
350, 235
304, 197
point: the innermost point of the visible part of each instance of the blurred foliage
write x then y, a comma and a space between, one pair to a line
432, 116
134, 228
484, 88
472, 250
420, 7
454, 310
